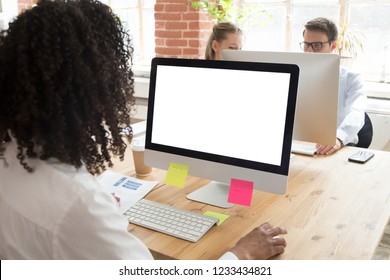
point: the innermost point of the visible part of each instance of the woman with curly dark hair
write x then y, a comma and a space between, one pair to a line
66, 90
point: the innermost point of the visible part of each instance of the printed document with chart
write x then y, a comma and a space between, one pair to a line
128, 189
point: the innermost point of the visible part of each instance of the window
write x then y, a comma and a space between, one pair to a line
283, 31
8, 10
138, 18
374, 21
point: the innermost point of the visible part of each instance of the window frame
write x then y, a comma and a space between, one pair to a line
141, 67
376, 89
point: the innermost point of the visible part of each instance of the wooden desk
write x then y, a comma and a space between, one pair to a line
333, 209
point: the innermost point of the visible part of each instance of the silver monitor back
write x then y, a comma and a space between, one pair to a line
317, 100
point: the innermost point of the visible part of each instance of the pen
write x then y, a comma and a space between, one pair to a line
118, 199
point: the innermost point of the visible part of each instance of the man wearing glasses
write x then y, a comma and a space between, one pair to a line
320, 36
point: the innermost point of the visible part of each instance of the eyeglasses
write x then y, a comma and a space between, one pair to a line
316, 46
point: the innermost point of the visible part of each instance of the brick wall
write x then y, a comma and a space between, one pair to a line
180, 31
25, 4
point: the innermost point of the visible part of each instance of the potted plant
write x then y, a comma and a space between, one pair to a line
349, 42
252, 14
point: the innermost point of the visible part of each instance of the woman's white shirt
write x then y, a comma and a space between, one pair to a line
60, 212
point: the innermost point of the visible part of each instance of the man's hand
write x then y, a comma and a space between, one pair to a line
328, 150
261, 243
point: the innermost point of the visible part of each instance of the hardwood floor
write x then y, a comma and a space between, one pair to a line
383, 250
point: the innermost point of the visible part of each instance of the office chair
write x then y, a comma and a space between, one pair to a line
365, 133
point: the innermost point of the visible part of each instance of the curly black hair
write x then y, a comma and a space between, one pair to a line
66, 85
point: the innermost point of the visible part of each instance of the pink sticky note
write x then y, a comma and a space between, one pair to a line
240, 192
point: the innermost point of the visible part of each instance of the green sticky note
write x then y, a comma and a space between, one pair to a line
219, 216
176, 175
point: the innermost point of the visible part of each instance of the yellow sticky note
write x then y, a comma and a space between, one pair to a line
219, 216
176, 175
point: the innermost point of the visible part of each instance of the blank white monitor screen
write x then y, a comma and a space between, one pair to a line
317, 100
223, 119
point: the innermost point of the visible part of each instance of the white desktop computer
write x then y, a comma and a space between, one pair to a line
318, 87
224, 119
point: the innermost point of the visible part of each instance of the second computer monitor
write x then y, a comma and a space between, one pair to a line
317, 100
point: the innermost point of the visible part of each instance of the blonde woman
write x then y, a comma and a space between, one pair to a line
225, 35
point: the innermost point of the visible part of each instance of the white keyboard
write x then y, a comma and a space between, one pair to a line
170, 220
305, 149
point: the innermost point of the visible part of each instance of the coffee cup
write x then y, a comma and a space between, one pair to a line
138, 149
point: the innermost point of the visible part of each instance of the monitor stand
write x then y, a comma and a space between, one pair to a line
214, 193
